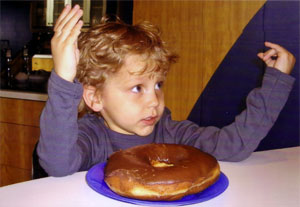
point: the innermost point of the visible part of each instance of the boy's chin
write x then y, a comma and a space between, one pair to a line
144, 132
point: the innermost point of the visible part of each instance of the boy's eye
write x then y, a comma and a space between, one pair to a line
159, 85
136, 89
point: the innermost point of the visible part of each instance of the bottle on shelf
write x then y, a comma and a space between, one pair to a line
21, 78
9, 76
26, 61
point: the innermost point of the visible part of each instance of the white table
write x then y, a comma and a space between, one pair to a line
266, 179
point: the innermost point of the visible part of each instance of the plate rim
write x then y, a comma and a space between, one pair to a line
90, 179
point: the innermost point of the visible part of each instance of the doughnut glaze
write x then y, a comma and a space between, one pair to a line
160, 171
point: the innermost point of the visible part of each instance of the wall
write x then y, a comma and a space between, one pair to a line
201, 32
15, 23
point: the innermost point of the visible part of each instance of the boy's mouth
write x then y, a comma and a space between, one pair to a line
150, 120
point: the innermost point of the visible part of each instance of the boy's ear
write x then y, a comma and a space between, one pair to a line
92, 99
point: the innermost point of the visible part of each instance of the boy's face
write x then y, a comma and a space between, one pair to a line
132, 103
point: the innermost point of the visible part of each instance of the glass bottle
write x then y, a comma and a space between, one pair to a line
26, 61
8, 68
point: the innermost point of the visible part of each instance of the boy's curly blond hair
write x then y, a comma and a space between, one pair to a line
104, 47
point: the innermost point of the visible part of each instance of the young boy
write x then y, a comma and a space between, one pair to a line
118, 77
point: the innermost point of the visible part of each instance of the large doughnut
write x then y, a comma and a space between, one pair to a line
160, 171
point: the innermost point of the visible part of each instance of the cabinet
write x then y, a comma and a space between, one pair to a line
19, 132
45, 13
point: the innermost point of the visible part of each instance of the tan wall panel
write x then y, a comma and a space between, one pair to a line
201, 32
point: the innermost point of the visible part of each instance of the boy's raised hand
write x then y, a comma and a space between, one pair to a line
278, 57
64, 42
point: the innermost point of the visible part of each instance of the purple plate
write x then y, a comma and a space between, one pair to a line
95, 179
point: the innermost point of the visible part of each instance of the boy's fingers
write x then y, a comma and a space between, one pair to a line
73, 25
275, 46
72, 38
269, 62
73, 21
62, 16
270, 53
260, 55
65, 20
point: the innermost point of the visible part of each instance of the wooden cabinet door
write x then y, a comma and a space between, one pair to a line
24, 112
19, 132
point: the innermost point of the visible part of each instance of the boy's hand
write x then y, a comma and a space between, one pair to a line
278, 57
64, 42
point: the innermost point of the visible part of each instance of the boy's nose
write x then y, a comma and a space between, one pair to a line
153, 99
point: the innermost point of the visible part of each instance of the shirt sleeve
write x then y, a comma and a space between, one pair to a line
58, 149
238, 140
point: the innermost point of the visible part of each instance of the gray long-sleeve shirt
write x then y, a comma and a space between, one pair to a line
68, 145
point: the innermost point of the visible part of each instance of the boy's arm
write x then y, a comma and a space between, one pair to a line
58, 152
238, 140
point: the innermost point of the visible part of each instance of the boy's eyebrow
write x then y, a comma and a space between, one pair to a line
141, 78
